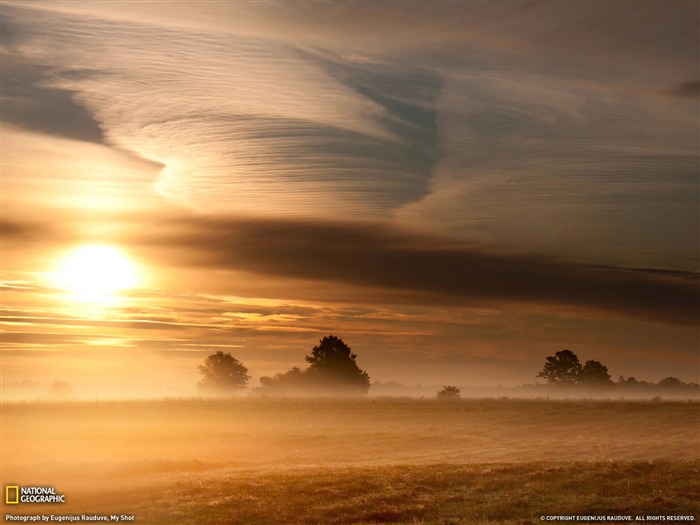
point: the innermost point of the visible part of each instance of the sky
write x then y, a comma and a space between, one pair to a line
456, 189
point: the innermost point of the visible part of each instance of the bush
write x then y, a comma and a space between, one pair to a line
449, 392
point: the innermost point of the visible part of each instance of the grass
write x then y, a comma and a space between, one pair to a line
436, 494
356, 461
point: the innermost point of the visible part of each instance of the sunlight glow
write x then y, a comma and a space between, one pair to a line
96, 272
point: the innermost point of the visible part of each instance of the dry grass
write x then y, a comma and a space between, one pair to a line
350, 461
437, 494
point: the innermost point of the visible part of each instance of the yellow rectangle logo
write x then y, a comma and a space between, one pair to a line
9, 500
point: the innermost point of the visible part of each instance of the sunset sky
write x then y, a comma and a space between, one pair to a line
457, 189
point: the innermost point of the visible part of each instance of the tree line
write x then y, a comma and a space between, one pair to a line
332, 370
565, 369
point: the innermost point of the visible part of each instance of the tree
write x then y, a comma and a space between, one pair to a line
563, 368
223, 374
332, 366
449, 392
60, 390
291, 380
595, 374
332, 370
671, 383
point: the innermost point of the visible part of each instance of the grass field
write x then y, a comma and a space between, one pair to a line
350, 461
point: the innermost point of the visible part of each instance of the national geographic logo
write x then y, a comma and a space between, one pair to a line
14, 495
11, 494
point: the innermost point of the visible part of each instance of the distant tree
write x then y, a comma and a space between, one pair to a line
629, 383
222, 374
632, 382
670, 383
563, 368
292, 379
449, 392
60, 390
594, 374
675, 386
332, 370
332, 366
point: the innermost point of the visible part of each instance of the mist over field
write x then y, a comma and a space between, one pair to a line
280, 433
252, 460
47, 392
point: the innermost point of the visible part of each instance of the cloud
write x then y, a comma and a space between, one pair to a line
398, 264
576, 168
689, 89
251, 116
379, 257
389, 108
21, 231
28, 102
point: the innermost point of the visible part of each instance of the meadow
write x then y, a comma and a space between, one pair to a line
198, 461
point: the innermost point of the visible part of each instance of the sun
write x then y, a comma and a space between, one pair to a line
96, 271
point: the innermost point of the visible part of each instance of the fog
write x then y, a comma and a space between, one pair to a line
132, 456
60, 391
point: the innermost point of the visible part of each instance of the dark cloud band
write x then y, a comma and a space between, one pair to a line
381, 257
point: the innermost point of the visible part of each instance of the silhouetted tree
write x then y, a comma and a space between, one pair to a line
449, 392
632, 383
675, 386
670, 383
292, 379
332, 365
595, 374
563, 368
332, 370
223, 374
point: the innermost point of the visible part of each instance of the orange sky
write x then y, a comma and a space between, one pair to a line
456, 190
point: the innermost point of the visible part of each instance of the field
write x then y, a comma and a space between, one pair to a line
348, 461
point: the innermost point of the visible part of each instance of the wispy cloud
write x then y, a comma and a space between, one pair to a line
29, 104
443, 120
